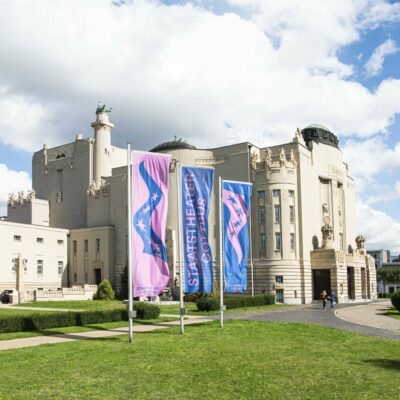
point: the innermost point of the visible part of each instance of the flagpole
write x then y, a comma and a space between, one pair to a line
251, 250
221, 269
130, 278
179, 236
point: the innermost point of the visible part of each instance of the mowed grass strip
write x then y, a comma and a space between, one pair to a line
245, 360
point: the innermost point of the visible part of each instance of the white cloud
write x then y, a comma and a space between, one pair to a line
183, 70
375, 63
386, 193
380, 230
11, 182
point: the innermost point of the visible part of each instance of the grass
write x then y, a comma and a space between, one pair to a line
245, 360
86, 305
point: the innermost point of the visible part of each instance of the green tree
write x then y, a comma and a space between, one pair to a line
388, 275
104, 291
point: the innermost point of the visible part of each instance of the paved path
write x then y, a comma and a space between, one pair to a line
313, 314
69, 337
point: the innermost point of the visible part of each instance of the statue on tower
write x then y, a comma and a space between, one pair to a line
102, 108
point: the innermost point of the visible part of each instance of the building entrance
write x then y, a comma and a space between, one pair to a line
321, 281
97, 276
350, 283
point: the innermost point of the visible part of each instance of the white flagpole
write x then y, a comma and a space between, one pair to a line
221, 268
179, 237
130, 274
251, 248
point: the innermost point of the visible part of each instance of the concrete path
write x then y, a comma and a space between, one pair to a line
69, 337
313, 314
371, 315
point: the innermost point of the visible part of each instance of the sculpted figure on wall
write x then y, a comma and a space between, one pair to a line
327, 236
360, 240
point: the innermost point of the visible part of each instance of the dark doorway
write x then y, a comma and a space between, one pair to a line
363, 283
97, 276
321, 282
350, 283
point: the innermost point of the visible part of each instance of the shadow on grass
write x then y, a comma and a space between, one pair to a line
385, 363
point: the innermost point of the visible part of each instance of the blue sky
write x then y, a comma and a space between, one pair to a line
212, 72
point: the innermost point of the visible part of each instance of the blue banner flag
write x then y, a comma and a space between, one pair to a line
236, 198
196, 194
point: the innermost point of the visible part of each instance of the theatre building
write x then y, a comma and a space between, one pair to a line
303, 223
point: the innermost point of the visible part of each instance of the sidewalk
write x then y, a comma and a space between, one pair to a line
370, 315
69, 337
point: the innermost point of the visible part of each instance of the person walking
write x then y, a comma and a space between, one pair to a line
332, 298
323, 296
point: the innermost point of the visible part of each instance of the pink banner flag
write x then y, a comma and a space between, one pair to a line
149, 209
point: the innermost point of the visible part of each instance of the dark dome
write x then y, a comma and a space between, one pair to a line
176, 144
319, 134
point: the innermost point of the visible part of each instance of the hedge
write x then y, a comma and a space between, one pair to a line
46, 320
213, 303
396, 300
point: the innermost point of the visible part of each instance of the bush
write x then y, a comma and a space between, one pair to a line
146, 311
213, 304
396, 300
104, 291
46, 320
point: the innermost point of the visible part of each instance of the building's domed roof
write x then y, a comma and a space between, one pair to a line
176, 144
319, 134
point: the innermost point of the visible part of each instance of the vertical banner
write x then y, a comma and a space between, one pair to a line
236, 198
149, 208
196, 195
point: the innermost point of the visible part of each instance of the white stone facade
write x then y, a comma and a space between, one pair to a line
298, 188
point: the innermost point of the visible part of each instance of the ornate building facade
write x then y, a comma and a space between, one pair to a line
303, 227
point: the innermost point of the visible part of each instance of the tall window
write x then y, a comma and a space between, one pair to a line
341, 241
291, 214
261, 215
277, 213
261, 194
39, 267
60, 267
97, 247
86, 246
74, 247
279, 278
292, 242
276, 193
279, 296
291, 193
263, 244
278, 242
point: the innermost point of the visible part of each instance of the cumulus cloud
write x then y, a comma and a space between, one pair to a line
375, 63
380, 230
183, 70
12, 182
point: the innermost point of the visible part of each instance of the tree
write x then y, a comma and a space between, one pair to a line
388, 275
104, 291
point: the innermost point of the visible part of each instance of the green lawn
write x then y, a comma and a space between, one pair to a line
245, 360
393, 314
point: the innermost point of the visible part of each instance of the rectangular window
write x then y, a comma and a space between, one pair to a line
277, 213
291, 214
291, 193
261, 215
86, 246
261, 194
60, 267
279, 296
292, 242
39, 240
60, 242
97, 247
263, 244
277, 241
17, 238
279, 278
341, 241
276, 193
39, 266
75, 277
74, 247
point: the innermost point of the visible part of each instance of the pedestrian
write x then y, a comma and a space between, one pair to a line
332, 298
323, 296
